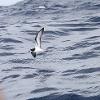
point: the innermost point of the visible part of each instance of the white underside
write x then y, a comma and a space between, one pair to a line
38, 50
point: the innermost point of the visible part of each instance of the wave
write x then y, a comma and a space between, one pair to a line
66, 97
9, 40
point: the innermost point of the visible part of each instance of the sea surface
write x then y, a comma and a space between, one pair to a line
69, 69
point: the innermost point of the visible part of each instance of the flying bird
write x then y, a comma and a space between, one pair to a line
37, 49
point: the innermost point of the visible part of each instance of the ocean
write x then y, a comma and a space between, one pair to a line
70, 69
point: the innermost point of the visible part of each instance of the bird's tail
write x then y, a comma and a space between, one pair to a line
33, 54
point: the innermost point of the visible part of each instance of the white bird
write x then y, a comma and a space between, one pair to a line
37, 49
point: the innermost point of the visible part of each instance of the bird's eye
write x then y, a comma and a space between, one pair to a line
33, 49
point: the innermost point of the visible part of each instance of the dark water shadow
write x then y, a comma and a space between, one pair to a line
59, 6
78, 29
16, 69
94, 19
85, 55
7, 54
29, 32
75, 25
81, 76
66, 97
88, 70
82, 29
9, 40
43, 90
2, 26
50, 48
21, 61
59, 33
30, 76
96, 48
83, 73
93, 37
37, 26
20, 68
10, 77
7, 47
45, 73
82, 44
70, 71
88, 5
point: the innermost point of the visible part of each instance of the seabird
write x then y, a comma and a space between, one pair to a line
37, 49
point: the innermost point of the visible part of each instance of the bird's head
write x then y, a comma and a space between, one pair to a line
33, 49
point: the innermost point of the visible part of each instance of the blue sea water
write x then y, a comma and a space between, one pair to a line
70, 69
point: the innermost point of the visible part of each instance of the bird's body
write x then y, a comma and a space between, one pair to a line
38, 49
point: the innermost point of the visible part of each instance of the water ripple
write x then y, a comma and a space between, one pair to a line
95, 19
81, 76
82, 73
7, 47
7, 54
11, 76
97, 48
82, 44
30, 76
70, 64
43, 90
88, 70
85, 55
45, 71
8, 40
69, 96
23, 61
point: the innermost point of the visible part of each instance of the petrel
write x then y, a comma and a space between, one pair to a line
37, 49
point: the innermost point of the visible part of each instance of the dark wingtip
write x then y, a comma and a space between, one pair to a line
42, 29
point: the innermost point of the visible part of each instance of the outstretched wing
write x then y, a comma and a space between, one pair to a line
38, 37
